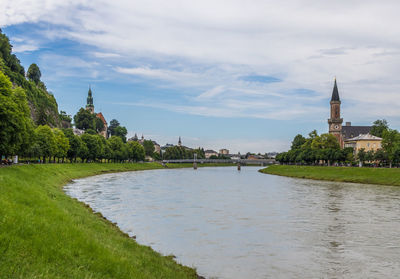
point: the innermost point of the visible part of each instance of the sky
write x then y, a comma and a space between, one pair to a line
243, 75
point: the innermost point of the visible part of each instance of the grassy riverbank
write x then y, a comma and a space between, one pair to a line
382, 176
46, 234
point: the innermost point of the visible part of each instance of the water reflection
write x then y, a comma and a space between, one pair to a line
232, 224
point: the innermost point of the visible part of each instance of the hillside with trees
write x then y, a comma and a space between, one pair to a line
43, 106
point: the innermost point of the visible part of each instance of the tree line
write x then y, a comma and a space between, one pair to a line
325, 149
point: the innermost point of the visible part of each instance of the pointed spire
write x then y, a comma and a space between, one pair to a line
179, 141
335, 93
89, 101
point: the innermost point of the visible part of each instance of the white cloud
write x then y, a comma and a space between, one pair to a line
211, 93
105, 55
206, 46
155, 73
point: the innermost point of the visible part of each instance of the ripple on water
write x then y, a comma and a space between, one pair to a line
231, 224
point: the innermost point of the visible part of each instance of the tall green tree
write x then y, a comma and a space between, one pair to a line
93, 146
361, 156
113, 124
46, 142
34, 73
15, 123
390, 141
85, 120
121, 132
298, 141
62, 144
116, 146
379, 127
136, 151
148, 147
75, 144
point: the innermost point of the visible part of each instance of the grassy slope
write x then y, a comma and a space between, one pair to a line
346, 174
46, 234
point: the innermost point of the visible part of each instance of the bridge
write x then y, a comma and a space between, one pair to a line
261, 162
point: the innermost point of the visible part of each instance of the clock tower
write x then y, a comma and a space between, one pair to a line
335, 122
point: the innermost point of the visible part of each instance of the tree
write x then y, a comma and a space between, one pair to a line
113, 124
99, 125
85, 120
65, 119
148, 147
361, 156
136, 151
390, 140
62, 144
34, 73
46, 141
120, 132
75, 144
115, 143
325, 141
298, 141
15, 123
370, 155
381, 156
93, 146
379, 127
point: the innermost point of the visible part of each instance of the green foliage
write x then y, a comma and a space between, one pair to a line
34, 73
62, 143
148, 147
84, 120
390, 143
93, 145
298, 141
46, 141
15, 124
113, 124
314, 149
179, 152
42, 104
75, 144
65, 119
115, 129
136, 151
379, 127
120, 132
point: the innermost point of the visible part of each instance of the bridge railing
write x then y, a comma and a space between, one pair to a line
223, 161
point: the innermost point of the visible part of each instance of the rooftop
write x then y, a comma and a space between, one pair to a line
365, 137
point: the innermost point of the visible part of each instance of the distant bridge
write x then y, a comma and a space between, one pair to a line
261, 162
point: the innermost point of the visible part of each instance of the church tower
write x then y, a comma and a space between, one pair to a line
89, 101
335, 122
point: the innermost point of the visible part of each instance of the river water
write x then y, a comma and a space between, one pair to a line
231, 224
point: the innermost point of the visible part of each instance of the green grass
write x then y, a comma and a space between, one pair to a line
46, 234
382, 176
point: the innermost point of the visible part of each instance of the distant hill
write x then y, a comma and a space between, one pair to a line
43, 105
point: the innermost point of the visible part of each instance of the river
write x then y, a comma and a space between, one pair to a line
244, 224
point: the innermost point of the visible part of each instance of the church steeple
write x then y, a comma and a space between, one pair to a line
89, 101
179, 142
335, 93
335, 122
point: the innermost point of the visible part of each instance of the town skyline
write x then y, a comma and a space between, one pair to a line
203, 76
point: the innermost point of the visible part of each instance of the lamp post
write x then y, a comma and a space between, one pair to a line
195, 161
